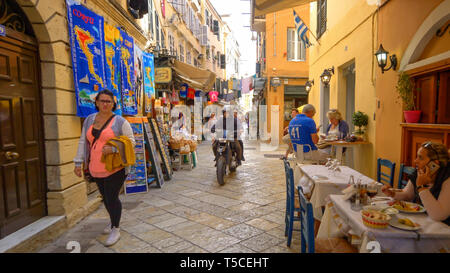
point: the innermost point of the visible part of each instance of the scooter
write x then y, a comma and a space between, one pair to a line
226, 157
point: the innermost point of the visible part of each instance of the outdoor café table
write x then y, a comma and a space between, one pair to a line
311, 178
340, 220
339, 145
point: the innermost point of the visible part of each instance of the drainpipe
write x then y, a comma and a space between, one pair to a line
274, 35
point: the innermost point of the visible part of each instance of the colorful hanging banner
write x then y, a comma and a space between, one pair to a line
139, 77
149, 80
191, 93
112, 64
129, 102
86, 40
183, 90
213, 96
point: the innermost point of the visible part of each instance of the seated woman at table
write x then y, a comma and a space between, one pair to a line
337, 127
429, 185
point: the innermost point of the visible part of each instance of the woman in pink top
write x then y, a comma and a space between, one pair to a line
90, 153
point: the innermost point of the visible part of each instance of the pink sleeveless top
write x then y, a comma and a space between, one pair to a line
96, 166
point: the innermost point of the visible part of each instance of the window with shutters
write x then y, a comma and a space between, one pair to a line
150, 18
181, 53
321, 17
157, 29
296, 50
188, 57
172, 45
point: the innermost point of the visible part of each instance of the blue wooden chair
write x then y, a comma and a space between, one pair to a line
329, 245
385, 177
307, 223
404, 170
292, 206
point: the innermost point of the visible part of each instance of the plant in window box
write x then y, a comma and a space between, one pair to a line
360, 120
405, 89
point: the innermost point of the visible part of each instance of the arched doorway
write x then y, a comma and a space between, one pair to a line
22, 175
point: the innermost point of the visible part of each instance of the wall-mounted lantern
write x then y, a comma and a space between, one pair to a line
308, 85
326, 76
382, 55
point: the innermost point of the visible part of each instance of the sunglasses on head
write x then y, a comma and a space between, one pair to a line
429, 145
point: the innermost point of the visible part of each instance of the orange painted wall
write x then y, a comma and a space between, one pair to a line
398, 22
276, 57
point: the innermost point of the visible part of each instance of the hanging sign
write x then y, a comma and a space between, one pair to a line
129, 101
87, 47
112, 64
149, 80
163, 75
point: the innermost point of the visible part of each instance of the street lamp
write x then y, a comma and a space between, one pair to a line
381, 55
326, 75
308, 85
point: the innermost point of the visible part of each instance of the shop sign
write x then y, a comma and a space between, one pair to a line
163, 75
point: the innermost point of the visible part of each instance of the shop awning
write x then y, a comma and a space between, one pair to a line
198, 78
262, 7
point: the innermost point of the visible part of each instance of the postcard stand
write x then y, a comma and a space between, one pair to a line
163, 152
152, 152
136, 181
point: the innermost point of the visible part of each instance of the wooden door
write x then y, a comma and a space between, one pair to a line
443, 116
426, 87
22, 187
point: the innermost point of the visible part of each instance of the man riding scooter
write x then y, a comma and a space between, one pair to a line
220, 129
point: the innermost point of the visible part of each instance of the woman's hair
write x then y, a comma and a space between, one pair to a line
109, 93
437, 151
334, 113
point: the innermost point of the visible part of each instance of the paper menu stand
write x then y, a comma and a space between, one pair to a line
136, 181
167, 168
152, 152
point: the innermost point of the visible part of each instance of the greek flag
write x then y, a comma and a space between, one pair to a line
301, 29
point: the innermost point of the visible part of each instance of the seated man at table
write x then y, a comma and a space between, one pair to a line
302, 130
430, 184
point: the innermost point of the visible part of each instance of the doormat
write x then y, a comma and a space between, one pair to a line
273, 155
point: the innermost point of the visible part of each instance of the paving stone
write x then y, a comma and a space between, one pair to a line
192, 213
243, 231
261, 242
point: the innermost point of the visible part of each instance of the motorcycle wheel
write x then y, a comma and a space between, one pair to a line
221, 168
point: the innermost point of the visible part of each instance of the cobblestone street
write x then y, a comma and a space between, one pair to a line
192, 213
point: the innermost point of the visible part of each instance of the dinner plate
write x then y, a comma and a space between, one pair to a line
421, 209
394, 223
382, 208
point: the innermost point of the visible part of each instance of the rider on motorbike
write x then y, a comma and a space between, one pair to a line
220, 129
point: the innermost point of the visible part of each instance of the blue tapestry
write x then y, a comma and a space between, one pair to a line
87, 46
112, 64
129, 102
149, 80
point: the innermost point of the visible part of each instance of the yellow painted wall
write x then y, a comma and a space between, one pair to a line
437, 45
348, 39
398, 23
354, 32
276, 57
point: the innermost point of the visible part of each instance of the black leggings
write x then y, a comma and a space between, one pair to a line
110, 187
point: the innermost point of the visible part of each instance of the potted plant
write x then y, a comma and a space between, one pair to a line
360, 119
405, 89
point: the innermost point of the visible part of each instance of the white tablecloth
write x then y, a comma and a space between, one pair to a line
320, 188
339, 220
